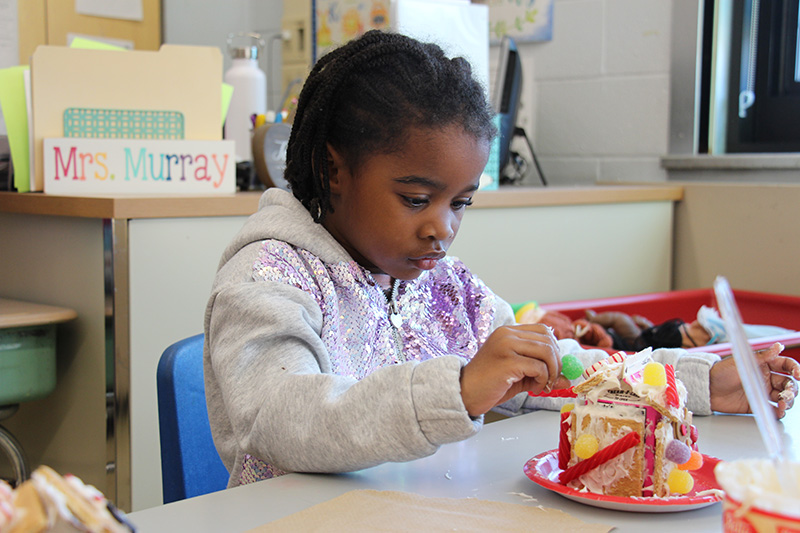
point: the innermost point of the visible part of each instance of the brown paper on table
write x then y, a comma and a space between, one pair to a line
373, 510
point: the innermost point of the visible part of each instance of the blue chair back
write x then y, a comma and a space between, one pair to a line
190, 464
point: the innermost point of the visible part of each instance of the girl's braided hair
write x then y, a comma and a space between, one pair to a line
363, 98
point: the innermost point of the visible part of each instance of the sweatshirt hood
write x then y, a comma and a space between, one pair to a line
282, 217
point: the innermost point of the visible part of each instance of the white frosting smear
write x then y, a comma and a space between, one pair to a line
755, 483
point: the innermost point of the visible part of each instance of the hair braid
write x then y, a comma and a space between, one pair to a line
363, 98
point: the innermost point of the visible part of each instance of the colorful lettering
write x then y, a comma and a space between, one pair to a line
97, 159
136, 166
70, 163
183, 165
160, 176
83, 157
221, 170
204, 168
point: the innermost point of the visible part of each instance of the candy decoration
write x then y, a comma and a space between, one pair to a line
672, 390
531, 308
558, 393
694, 462
563, 441
654, 374
571, 367
677, 452
586, 446
680, 481
567, 407
615, 358
693, 433
606, 454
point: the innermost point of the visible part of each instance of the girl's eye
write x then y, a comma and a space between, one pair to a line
415, 202
461, 204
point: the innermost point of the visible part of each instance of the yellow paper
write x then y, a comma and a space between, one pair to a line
12, 99
82, 42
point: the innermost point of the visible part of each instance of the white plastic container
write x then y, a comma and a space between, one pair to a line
249, 93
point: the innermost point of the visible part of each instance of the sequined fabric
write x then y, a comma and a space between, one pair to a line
445, 311
254, 469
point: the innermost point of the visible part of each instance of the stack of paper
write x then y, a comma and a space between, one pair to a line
106, 121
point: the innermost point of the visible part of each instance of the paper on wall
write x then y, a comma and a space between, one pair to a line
115, 9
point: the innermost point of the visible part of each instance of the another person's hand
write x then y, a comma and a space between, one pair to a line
779, 373
514, 359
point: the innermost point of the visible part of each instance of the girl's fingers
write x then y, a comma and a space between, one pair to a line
532, 376
536, 341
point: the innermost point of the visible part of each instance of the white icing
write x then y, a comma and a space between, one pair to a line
664, 434
612, 378
755, 483
57, 507
606, 474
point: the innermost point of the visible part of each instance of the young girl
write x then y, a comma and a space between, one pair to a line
338, 333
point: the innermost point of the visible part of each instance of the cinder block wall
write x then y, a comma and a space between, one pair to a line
596, 97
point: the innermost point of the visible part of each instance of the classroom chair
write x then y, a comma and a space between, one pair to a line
190, 464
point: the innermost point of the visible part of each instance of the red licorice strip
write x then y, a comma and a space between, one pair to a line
606, 454
558, 393
563, 442
672, 389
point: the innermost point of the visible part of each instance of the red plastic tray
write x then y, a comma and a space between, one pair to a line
658, 307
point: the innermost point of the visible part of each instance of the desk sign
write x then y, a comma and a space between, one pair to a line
80, 166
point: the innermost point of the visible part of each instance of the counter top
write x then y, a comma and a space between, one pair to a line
15, 313
245, 203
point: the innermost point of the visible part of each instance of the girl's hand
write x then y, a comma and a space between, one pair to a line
780, 377
513, 359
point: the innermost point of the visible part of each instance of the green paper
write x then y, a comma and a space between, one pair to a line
83, 42
227, 93
15, 113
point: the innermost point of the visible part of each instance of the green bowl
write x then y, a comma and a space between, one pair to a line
27, 363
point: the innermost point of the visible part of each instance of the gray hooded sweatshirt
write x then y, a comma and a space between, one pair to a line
271, 390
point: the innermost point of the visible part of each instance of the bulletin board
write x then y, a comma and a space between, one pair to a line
50, 21
523, 20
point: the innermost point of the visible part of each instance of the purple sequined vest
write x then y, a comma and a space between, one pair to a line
446, 311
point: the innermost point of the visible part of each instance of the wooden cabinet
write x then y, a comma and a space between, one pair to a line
51, 21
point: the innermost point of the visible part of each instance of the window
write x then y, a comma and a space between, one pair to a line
751, 69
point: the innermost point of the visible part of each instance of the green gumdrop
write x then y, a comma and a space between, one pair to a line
571, 367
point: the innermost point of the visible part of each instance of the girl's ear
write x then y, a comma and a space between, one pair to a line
336, 168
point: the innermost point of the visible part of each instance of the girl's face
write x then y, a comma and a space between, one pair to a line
398, 213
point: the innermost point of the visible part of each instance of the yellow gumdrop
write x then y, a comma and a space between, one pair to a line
586, 446
567, 407
654, 374
680, 481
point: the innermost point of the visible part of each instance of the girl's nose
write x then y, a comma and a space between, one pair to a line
441, 227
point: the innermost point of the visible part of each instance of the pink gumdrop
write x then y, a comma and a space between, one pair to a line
677, 452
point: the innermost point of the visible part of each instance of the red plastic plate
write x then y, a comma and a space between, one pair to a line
543, 470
